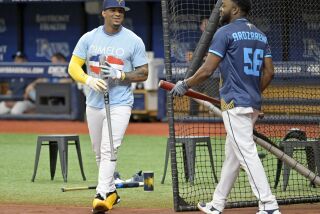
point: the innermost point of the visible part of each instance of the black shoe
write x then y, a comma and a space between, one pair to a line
138, 177
116, 175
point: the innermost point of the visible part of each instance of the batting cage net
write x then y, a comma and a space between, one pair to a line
290, 104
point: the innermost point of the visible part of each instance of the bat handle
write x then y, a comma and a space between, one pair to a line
108, 115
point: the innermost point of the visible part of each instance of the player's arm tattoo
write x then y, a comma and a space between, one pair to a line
138, 75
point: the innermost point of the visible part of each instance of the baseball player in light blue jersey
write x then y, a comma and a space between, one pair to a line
125, 55
242, 53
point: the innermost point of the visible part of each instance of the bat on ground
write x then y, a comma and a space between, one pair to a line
108, 115
118, 186
257, 137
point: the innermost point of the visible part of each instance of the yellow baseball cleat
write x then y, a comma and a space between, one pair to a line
101, 205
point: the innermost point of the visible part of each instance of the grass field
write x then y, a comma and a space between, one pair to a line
137, 153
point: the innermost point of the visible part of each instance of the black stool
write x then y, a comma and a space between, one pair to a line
295, 140
189, 154
58, 143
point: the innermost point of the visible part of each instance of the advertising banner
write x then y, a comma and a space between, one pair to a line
50, 28
8, 32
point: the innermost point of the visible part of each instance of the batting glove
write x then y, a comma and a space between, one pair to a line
109, 72
179, 89
96, 84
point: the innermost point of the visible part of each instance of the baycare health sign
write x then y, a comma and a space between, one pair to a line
50, 28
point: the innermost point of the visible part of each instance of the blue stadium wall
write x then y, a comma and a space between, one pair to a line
43, 28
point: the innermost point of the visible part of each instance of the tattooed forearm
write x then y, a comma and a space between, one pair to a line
138, 75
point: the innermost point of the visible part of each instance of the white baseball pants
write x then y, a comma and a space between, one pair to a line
19, 107
241, 151
99, 134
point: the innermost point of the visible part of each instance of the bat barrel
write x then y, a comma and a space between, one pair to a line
191, 93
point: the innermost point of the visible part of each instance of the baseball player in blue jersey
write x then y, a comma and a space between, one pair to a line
242, 54
124, 53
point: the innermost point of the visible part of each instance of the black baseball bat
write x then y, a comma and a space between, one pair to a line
106, 97
118, 186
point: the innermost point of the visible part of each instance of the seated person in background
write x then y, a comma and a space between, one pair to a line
209, 87
56, 58
16, 87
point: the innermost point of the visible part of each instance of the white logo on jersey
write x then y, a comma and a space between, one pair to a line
250, 25
107, 50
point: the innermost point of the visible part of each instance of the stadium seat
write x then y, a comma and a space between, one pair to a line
189, 144
58, 143
296, 140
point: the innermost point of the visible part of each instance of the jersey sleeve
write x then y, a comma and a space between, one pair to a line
82, 46
139, 55
219, 44
267, 51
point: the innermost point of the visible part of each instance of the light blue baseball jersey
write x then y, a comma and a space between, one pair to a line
242, 47
125, 51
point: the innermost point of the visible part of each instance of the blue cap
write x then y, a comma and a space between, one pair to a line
115, 3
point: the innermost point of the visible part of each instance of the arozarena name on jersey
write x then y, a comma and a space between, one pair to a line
246, 35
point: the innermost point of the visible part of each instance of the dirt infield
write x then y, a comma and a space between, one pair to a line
30, 209
68, 127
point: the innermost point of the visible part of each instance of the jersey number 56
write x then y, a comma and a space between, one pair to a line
252, 61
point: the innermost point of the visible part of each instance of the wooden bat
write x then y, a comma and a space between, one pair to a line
302, 170
118, 186
191, 93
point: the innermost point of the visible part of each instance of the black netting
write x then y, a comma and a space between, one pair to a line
290, 103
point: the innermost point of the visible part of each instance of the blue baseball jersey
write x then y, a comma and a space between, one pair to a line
242, 47
123, 50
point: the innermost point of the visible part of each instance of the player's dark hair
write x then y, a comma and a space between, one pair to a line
245, 5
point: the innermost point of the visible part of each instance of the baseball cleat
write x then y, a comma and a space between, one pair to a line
101, 205
116, 175
207, 208
269, 212
138, 177
117, 179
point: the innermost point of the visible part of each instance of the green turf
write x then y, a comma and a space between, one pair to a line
136, 153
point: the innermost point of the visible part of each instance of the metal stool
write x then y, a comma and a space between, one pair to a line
189, 154
58, 143
296, 139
